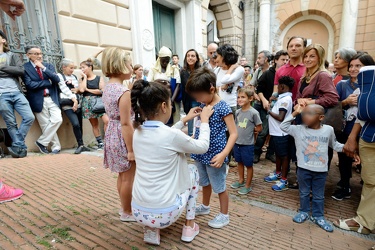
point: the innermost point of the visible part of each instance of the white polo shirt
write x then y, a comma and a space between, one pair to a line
284, 103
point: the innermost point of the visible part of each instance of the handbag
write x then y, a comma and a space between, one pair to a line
65, 100
366, 79
334, 116
97, 105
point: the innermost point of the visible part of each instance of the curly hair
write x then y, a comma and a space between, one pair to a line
229, 54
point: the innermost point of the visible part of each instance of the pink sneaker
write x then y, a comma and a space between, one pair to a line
152, 235
189, 233
8, 193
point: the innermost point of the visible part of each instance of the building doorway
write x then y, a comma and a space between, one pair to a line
164, 28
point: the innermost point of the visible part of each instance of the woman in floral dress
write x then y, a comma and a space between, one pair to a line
118, 150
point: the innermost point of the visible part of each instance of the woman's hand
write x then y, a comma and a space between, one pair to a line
194, 112
83, 75
352, 100
266, 105
218, 160
304, 101
206, 113
75, 104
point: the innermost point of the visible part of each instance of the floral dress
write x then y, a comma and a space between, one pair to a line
115, 152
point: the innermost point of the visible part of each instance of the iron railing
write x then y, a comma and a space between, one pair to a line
38, 26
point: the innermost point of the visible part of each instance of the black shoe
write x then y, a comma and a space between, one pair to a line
43, 149
293, 185
340, 194
100, 146
271, 158
81, 149
256, 158
14, 152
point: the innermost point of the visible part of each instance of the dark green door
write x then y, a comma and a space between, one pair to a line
164, 27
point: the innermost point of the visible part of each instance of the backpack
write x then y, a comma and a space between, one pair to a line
366, 82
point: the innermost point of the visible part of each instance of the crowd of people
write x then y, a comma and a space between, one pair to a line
292, 106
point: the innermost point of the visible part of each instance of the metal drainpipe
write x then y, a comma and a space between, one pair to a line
255, 31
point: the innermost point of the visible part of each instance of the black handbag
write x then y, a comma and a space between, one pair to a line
97, 105
68, 101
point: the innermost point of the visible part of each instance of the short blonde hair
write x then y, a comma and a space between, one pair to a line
114, 61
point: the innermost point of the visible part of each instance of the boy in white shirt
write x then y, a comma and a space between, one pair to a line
282, 108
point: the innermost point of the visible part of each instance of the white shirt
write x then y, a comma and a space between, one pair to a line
284, 103
223, 78
162, 170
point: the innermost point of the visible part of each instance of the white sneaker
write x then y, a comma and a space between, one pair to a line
219, 221
201, 210
127, 217
152, 235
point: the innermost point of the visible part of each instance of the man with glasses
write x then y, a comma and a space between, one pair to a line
42, 92
12, 99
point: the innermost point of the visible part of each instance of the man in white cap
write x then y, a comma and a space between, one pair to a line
167, 74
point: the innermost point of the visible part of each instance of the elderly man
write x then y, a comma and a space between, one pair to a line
211, 57
42, 92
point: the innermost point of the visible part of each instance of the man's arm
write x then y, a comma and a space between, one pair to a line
30, 84
15, 67
51, 73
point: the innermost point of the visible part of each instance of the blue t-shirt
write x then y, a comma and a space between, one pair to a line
218, 139
344, 89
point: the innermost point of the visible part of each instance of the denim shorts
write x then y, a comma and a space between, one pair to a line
244, 154
281, 144
214, 176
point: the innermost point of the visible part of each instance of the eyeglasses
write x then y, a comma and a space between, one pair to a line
309, 113
36, 54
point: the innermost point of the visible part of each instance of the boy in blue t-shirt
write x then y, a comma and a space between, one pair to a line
282, 108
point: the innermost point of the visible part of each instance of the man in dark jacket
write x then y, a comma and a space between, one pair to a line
12, 99
42, 92
264, 91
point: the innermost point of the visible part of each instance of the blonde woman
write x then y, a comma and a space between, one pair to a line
118, 150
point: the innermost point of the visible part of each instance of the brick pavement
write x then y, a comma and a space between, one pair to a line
71, 202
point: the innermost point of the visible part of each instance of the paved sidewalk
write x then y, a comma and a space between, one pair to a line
71, 202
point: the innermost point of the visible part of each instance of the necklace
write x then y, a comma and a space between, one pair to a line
308, 77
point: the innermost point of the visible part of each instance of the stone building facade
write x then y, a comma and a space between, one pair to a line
334, 24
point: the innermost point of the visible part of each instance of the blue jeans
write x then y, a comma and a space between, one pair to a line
16, 101
75, 119
191, 122
315, 182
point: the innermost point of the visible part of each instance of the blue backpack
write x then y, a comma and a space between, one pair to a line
366, 99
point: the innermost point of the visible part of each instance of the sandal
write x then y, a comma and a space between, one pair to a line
265, 148
323, 223
359, 229
300, 217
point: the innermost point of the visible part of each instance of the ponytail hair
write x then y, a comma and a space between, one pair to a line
146, 99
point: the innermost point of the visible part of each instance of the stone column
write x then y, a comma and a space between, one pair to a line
264, 29
348, 24
142, 27
194, 25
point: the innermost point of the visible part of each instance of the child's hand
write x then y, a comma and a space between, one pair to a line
357, 159
218, 160
206, 113
194, 112
299, 108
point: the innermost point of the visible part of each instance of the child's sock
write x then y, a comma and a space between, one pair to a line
205, 207
284, 179
99, 139
278, 172
225, 215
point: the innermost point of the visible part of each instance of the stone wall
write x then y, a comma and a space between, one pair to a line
87, 26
